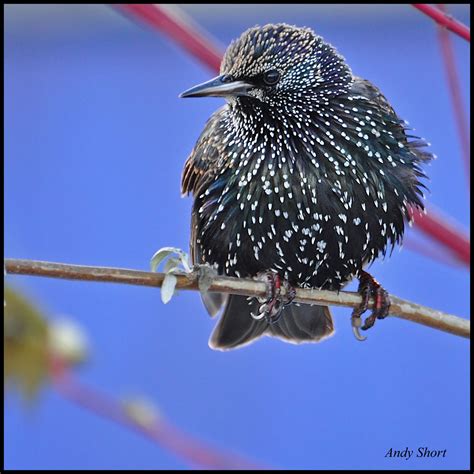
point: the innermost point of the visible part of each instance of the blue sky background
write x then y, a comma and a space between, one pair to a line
95, 140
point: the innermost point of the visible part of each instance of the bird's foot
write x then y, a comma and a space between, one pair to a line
369, 287
274, 302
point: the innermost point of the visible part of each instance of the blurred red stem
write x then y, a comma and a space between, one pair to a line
441, 231
455, 90
180, 29
430, 250
161, 432
445, 20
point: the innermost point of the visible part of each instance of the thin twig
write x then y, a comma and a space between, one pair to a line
455, 91
156, 429
180, 29
246, 287
430, 250
445, 20
446, 234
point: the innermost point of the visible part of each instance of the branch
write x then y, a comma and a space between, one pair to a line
180, 29
455, 91
445, 20
432, 251
246, 287
446, 234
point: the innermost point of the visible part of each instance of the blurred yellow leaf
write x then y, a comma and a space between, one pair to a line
25, 353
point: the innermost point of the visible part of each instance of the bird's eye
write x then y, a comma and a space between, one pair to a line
271, 77
226, 78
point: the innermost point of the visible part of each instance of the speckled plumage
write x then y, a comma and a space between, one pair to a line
310, 177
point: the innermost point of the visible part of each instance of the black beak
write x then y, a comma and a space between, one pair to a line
220, 86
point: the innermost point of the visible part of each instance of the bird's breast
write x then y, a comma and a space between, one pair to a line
282, 216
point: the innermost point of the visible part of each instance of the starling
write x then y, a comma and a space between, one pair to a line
305, 175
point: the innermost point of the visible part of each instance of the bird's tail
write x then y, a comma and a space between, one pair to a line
297, 323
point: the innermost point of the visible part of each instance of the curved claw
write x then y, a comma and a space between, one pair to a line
356, 323
268, 278
262, 312
369, 322
257, 316
274, 301
368, 287
381, 308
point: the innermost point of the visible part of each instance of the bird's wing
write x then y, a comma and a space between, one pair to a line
200, 169
368, 90
200, 166
371, 92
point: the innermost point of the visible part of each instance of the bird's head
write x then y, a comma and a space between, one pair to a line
277, 64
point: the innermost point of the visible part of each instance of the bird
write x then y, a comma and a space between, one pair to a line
303, 178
